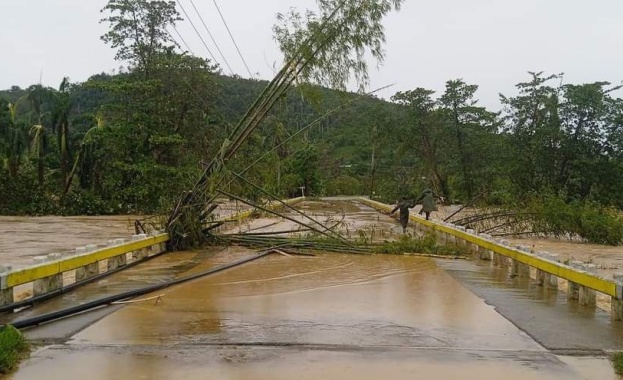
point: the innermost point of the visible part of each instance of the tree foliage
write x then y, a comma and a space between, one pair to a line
336, 39
134, 141
138, 30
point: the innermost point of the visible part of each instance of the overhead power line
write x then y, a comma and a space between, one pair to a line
232, 38
212, 37
181, 38
196, 31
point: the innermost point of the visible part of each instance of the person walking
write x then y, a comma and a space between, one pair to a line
404, 205
428, 202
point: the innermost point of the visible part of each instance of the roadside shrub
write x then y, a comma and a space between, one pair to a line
13, 348
426, 245
82, 202
343, 185
617, 362
587, 220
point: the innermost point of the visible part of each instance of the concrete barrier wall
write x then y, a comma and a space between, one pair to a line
582, 281
54, 272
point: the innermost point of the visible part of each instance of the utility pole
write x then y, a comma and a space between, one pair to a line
373, 160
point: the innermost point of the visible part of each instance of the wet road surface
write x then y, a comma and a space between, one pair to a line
545, 315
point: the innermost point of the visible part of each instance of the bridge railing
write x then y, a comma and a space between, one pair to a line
56, 273
583, 283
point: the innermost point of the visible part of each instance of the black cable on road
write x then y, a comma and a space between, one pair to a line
130, 294
65, 289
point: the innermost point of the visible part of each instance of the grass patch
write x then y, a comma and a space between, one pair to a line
13, 348
426, 244
617, 362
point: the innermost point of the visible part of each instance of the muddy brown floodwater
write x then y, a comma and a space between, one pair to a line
331, 316
22, 238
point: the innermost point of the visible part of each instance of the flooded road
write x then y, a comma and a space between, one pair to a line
333, 316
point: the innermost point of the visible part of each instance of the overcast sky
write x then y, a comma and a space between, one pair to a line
491, 43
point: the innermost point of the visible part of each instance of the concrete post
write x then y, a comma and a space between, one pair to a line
587, 296
441, 238
47, 284
471, 247
520, 269
139, 255
616, 304
573, 292
6, 296
502, 261
483, 253
616, 309
461, 243
116, 262
87, 271
550, 281
495, 259
452, 239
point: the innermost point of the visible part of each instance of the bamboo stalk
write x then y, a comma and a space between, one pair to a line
289, 206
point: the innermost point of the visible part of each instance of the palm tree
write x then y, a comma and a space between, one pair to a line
60, 121
38, 149
86, 158
17, 142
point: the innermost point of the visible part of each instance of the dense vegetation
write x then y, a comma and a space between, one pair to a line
133, 141
13, 348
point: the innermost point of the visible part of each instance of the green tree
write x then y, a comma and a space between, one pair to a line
138, 30
304, 166
16, 142
60, 121
425, 134
469, 124
532, 121
335, 40
39, 149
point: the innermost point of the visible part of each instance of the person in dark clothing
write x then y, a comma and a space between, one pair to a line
428, 202
404, 205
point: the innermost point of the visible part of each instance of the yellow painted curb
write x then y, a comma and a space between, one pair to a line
586, 279
29, 274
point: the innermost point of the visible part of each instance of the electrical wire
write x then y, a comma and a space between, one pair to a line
181, 38
232, 38
212, 38
196, 31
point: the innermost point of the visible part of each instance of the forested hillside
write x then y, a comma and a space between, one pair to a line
109, 146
